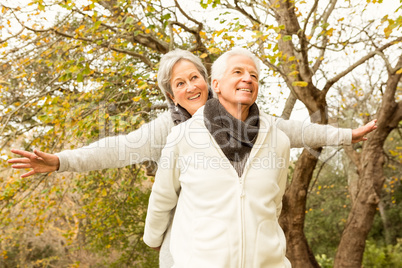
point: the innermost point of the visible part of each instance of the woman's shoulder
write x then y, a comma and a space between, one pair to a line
193, 125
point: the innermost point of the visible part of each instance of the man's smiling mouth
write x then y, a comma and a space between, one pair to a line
244, 89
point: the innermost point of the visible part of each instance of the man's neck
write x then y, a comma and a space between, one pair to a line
238, 111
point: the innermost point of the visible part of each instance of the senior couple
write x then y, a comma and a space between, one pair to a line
226, 214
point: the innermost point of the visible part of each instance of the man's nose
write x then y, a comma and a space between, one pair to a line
247, 77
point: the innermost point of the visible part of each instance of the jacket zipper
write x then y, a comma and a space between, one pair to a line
242, 194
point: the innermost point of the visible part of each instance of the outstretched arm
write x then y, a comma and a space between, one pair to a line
306, 134
38, 161
142, 144
359, 133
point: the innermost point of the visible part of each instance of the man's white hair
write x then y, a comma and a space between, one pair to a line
220, 65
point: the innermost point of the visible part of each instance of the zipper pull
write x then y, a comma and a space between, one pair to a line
242, 193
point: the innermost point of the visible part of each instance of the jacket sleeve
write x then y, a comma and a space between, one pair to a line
165, 193
302, 134
145, 143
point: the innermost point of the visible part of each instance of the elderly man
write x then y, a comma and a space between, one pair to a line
224, 171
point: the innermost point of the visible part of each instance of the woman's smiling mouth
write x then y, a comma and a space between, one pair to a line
195, 97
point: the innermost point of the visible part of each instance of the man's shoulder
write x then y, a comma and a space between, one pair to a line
269, 122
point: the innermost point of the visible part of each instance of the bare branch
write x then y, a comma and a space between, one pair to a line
200, 25
238, 8
386, 61
312, 11
357, 63
10, 37
290, 103
325, 40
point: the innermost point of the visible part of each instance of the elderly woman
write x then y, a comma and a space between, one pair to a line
183, 79
227, 200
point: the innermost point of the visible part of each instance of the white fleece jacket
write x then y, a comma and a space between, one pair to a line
221, 220
147, 142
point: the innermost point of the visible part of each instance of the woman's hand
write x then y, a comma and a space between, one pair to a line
38, 161
358, 133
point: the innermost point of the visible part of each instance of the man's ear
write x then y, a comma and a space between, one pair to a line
215, 86
171, 97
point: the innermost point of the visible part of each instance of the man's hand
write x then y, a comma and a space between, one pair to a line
38, 161
359, 133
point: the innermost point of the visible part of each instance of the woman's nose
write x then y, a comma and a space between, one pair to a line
190, 87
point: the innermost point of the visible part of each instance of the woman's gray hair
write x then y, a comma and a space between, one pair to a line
220, 65
166, 66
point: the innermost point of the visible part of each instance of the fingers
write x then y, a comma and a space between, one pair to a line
39, 153
21, 152
20, 166
371, 126
18, 160
25, 153
30, 173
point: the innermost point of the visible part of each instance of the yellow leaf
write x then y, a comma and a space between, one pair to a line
147, 31
399, 71
104, 192
204, 55
136, 99
294, 73
299, 84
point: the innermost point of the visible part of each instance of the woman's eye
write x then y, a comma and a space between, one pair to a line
194, 77
180, 84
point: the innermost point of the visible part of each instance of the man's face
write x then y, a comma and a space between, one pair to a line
239, 83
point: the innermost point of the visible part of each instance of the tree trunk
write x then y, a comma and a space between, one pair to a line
371, 179
351, 248
294, 211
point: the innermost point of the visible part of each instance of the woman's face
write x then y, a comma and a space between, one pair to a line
189, 88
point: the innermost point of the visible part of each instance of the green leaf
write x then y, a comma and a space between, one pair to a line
129, 20
287, 38
80, 77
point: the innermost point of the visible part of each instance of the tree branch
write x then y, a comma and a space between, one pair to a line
356, 64
200, 25
325, 40
290, 103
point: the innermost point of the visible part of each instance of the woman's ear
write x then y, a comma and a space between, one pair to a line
171, 97
215, 86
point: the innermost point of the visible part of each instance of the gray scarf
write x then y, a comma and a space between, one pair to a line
235, 137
